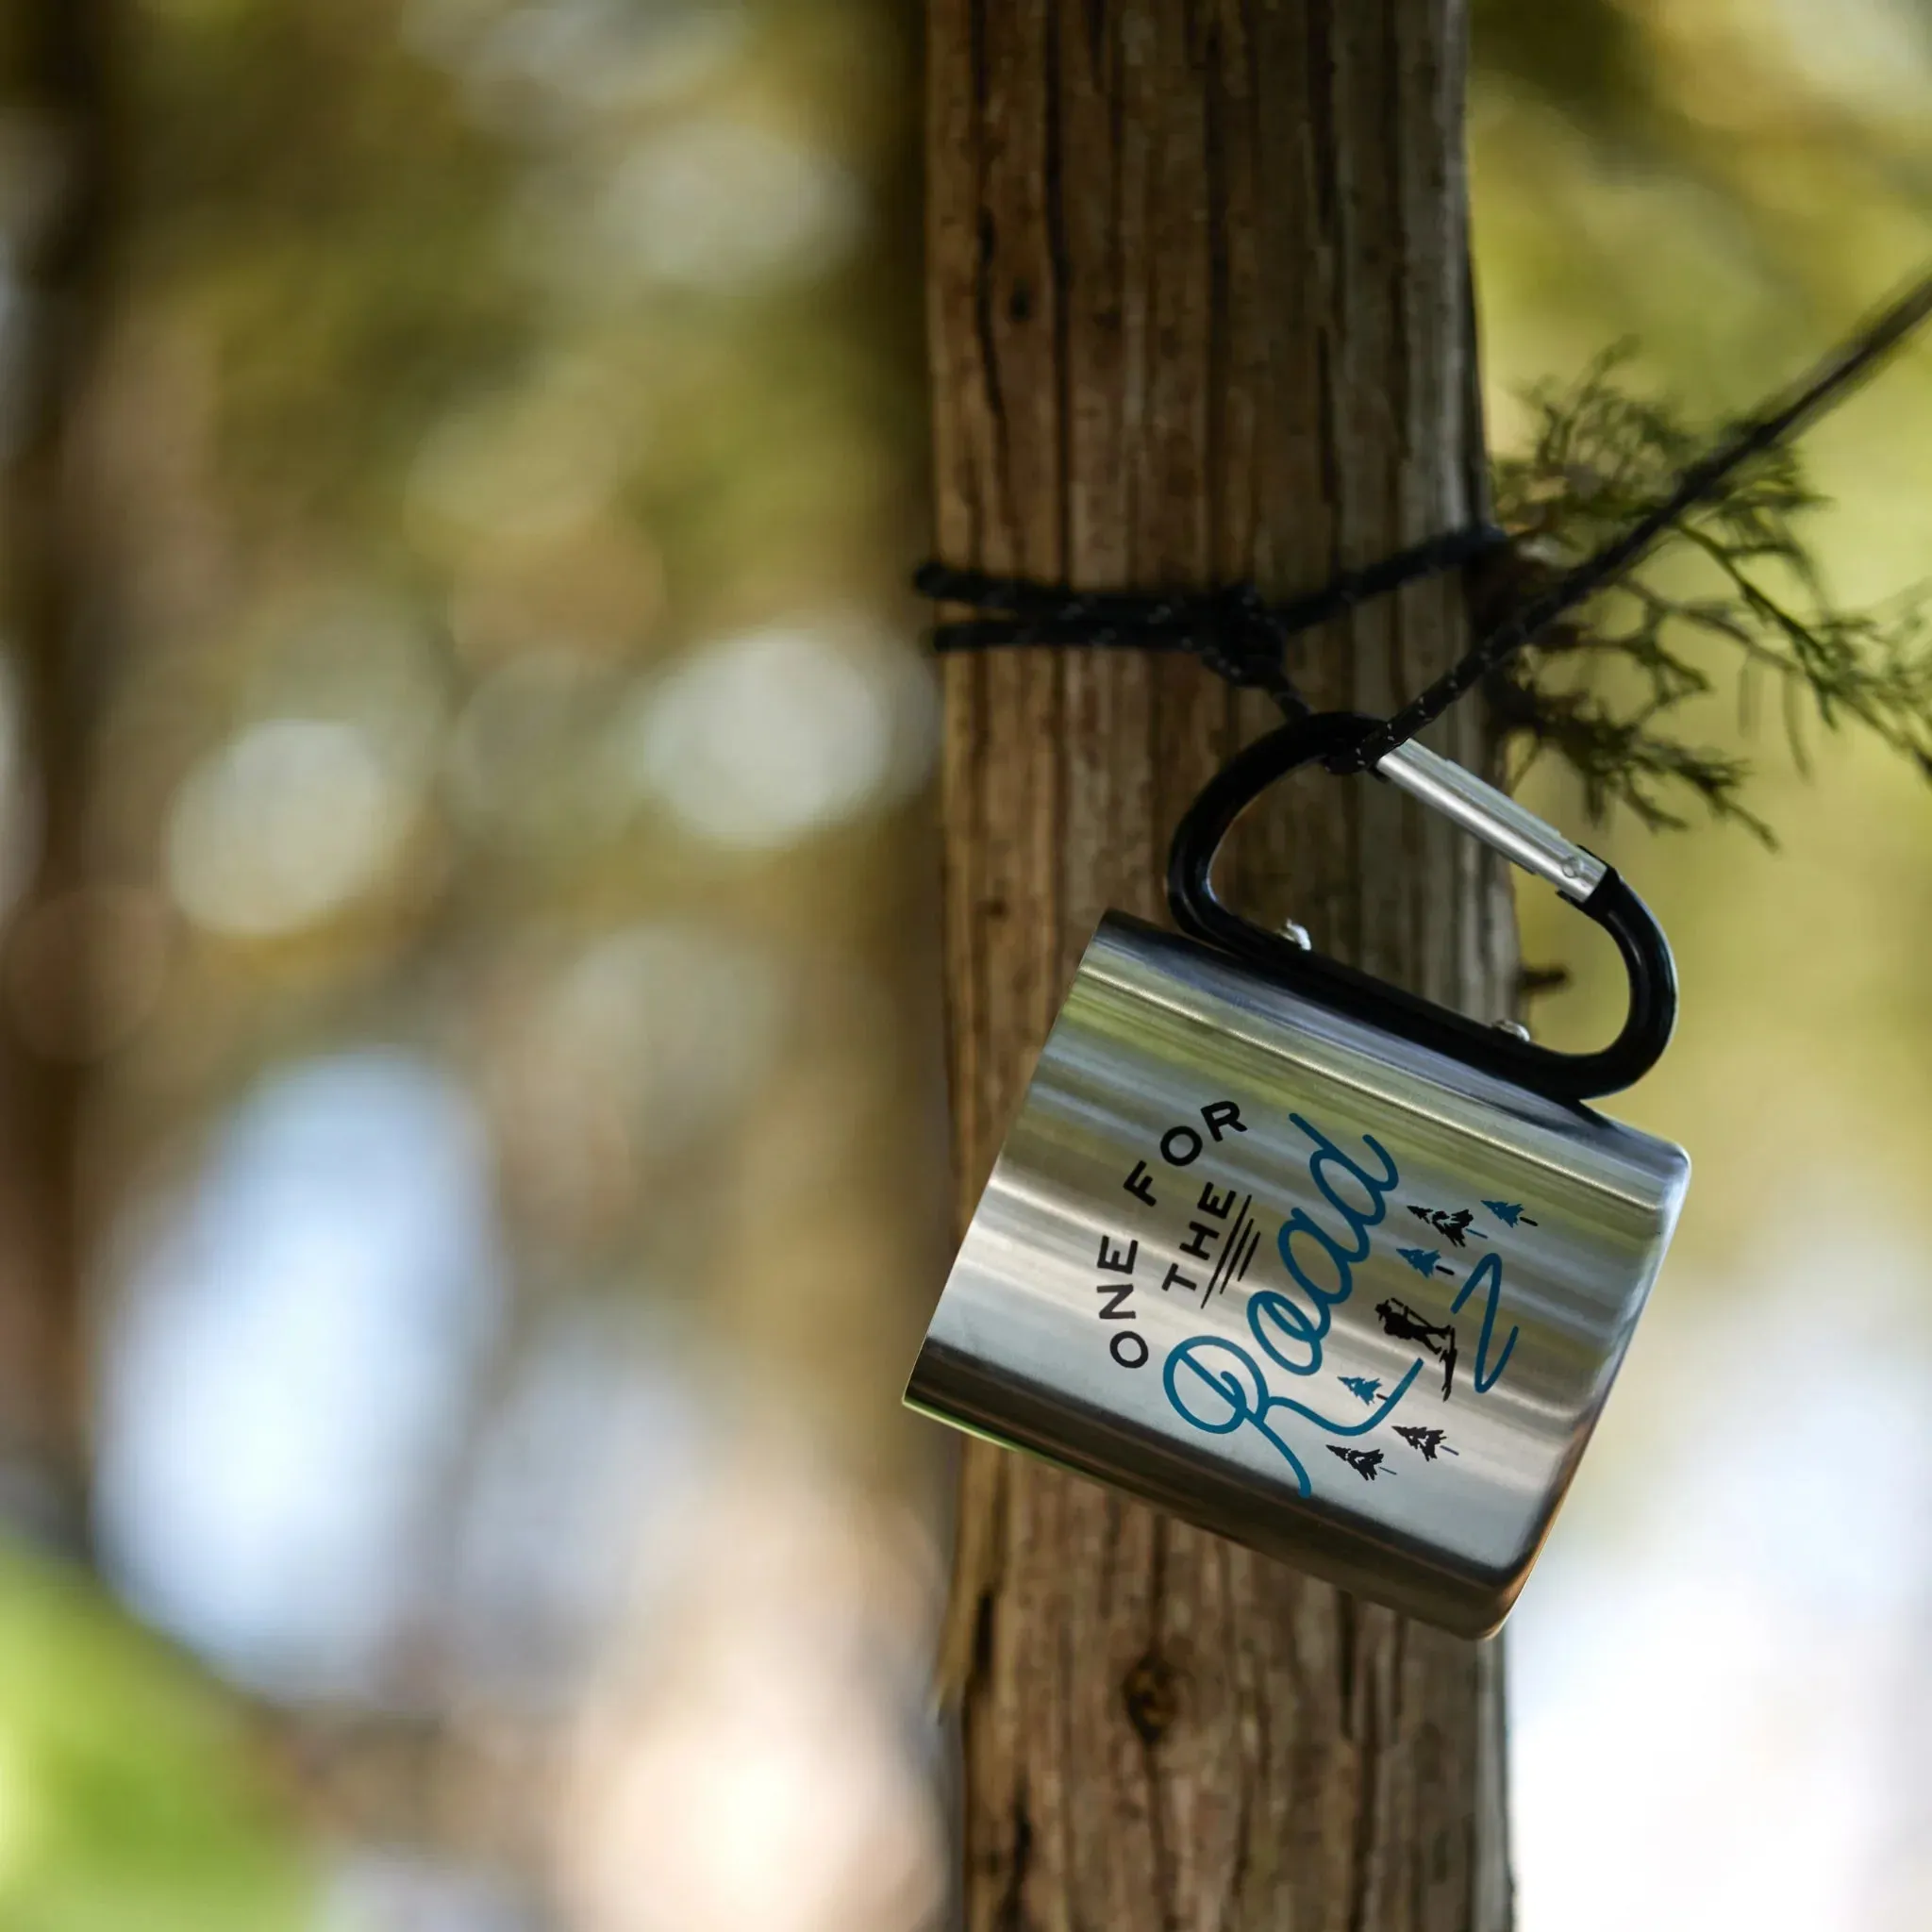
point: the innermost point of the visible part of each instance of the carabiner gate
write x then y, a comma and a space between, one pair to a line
1499, 821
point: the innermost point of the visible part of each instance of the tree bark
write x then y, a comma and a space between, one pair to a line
56, 65
1199, 311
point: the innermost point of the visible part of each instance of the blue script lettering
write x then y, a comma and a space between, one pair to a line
1327, 1155
1486, 1275
1218, 1386
1307, 1332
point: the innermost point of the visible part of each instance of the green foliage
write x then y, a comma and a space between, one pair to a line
128, 1795
1735, 578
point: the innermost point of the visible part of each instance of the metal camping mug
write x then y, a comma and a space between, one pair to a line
1305, 1259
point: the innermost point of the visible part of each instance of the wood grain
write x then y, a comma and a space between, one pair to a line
59, 76
1199, 310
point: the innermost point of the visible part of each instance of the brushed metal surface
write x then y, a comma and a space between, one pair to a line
1275, 1369
1493, 817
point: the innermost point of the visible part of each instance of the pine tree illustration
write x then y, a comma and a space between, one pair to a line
1366, 1388
1429, 1440
1423, 1260
1508, 1212
1367, 1463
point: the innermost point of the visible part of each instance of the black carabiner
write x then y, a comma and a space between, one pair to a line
1562, 1077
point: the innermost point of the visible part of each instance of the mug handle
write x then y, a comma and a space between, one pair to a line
1499, 821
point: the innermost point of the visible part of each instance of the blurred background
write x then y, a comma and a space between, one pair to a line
472, 1140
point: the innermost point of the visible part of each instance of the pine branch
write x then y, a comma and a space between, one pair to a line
1604, 695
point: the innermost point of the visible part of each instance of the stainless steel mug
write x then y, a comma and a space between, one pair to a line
1308, 1260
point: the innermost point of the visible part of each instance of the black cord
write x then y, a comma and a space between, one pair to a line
1830, 382
1243, 638
1234, 631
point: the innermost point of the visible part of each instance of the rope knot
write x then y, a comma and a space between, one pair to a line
1237, 633
1231, 628
1239, 638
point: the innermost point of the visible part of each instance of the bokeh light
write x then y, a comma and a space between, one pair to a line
470, 1095
281, 826
760, 739
300, 1338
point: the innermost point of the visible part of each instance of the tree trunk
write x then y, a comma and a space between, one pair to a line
55, 65
1199, 311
